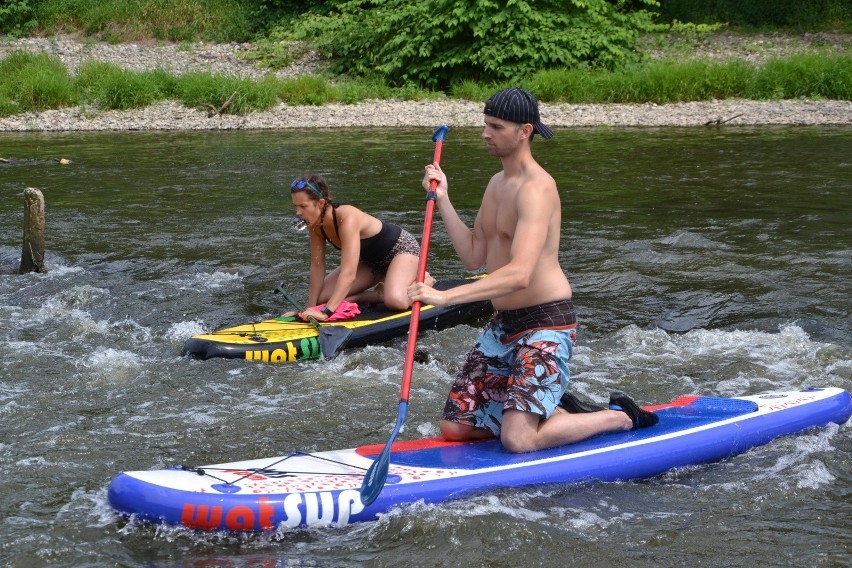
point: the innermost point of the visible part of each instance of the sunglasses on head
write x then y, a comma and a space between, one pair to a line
300, 184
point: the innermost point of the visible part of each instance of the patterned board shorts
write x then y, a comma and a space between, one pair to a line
405, 244
527, 372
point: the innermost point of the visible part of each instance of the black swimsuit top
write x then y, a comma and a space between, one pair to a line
373, 249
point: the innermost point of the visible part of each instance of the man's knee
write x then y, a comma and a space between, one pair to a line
520, 431
516, 444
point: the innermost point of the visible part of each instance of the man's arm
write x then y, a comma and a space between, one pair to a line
535, 208
469, 245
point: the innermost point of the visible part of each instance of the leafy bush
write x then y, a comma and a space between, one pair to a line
436, 43
16, 18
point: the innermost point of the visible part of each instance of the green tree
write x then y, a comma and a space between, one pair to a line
436, 43
16, 17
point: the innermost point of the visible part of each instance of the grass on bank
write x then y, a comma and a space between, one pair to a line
119, 21
37, 82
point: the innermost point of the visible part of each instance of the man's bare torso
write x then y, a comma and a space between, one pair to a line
525, 206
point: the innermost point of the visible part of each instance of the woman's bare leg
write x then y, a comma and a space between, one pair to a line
402, 272
364, 279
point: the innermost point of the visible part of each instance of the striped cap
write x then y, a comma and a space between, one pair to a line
519, 106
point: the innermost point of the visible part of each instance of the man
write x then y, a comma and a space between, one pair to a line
511, 382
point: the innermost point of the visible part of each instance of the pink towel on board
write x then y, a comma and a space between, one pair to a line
345, 310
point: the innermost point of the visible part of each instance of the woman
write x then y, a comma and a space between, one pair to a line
378, 261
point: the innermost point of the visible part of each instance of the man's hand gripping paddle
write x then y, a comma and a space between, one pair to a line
376, 476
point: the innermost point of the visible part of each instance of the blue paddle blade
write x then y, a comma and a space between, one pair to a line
440, 132
374, 480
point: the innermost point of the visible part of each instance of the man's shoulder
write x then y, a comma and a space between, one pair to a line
540, 182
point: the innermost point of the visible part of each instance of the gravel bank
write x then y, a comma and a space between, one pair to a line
224, 59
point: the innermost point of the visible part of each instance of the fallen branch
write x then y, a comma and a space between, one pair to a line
719, 121
213, 111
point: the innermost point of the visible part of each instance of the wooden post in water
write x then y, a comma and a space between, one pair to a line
32, 255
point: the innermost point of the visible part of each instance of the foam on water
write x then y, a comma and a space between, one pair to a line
180, 331
738, 362
812, 475
586, 521
113, 366
428, 430
199, 282
453, 512
61, 270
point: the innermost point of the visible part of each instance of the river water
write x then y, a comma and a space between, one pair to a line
708, 261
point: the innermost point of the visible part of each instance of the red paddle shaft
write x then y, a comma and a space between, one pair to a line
413, 325
374, 479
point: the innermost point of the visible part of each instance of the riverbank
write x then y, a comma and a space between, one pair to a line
225, 59
173, 116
